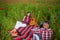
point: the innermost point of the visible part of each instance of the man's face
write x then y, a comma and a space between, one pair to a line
46, 25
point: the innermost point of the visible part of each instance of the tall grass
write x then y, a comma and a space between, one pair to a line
16, 12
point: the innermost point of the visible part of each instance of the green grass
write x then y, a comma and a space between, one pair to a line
14, 12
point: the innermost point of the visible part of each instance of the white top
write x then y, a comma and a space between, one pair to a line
19, 24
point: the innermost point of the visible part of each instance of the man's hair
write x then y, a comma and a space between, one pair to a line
40, 24
46, 22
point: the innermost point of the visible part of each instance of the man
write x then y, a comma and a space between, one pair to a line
45, 32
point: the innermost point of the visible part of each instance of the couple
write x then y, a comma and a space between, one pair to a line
43, 33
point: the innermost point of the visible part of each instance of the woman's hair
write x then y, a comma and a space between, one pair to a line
27, 13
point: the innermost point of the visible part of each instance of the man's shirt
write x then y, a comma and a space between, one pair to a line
46, 34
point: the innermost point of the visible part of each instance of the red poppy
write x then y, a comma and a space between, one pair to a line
49, 8
1, 8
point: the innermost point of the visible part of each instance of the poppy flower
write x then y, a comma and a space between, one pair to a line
49, 8
1, 8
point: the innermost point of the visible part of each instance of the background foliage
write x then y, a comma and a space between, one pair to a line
42, 10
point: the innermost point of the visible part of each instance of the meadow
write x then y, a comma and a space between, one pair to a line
41, 10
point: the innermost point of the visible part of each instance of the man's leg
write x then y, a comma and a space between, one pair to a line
36, 37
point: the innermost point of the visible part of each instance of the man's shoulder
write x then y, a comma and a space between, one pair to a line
46, 29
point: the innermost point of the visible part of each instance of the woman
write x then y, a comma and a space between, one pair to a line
22, 30
26, 18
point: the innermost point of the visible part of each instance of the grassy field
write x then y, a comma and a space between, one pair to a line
41, 9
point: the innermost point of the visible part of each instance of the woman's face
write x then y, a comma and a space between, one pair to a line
46, 25
28, 14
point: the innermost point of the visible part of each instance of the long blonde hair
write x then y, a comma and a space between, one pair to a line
33, 21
